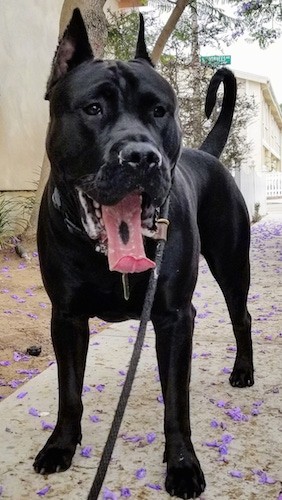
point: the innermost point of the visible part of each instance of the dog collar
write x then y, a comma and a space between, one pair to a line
57, 203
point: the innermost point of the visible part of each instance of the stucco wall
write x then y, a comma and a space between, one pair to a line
28, 38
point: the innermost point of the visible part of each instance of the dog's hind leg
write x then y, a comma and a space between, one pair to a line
226, 250
70, 336
174, 331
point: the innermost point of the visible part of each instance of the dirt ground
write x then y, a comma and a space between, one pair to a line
25, 318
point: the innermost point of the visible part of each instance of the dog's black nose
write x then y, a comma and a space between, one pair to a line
140, 154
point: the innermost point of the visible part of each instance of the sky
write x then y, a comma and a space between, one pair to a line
249, 57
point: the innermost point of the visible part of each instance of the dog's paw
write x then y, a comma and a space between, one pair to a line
185, 478
53, 458
242, 374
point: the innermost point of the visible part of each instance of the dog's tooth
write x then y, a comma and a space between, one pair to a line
102, 222
96, 204
98, 213
98, 248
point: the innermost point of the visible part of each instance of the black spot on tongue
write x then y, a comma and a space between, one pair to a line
124, 232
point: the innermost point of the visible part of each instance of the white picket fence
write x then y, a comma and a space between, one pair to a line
274, 185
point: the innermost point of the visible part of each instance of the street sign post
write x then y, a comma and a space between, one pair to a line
215, 60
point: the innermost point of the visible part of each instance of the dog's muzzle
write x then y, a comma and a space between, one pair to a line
120, 204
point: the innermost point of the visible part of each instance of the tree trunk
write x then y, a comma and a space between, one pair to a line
195, 67
96, 24
168, 29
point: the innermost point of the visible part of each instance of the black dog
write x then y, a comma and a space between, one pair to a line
114, 144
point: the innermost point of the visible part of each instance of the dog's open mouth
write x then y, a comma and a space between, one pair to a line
119, 230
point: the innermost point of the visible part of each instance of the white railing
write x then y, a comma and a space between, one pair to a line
274, 185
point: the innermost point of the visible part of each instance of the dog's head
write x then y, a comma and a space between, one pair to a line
114, 128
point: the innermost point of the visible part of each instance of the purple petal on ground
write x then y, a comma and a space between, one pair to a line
257, 403
5, 290
237, 415
100, 387
32, 411
236, 473
43, 305
154, 486
43, 492
22, 266
212, 444
221, 404
122, 372
31, 371
131, 340
223, 450
151, 436
8, 311
226, 370
265, 479
94, 418
227, 438
15, 383
109, 495
125, 492
86, 452
255, 412
1, 489
132, 439
86, 388
160, 399
231, 348
195, 355
279, 496
45, 426
140, 473
21, 395
214, 424
31, 315
93, 331
5, 363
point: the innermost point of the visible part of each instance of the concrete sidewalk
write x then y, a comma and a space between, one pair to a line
235, 432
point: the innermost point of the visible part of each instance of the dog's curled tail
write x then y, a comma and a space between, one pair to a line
217, 137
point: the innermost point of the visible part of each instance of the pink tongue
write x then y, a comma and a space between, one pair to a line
125, 243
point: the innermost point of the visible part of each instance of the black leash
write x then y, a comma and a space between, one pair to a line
145, 317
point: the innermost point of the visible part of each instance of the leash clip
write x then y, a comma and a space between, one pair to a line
162, 227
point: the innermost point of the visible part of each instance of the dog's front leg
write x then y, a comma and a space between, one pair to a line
70, 337
185, 478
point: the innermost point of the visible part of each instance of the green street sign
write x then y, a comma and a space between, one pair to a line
215, 60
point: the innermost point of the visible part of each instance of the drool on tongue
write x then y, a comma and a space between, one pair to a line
125, 243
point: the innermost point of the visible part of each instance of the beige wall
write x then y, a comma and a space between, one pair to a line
28, 38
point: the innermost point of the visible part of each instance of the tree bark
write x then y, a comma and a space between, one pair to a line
168, 29
96, 24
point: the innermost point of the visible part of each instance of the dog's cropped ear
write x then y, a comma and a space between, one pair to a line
141, 49
73, 49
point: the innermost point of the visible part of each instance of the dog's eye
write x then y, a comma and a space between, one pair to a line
159, 111
93, 109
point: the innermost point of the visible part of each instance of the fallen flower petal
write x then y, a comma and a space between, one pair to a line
5, 363
109, 495
140, 473
100, 387
86, 452
46, 426
125, 492
132, 439
236, 473
153, 486
94, 418
151, 436
32, 411
22, 395
43, 492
